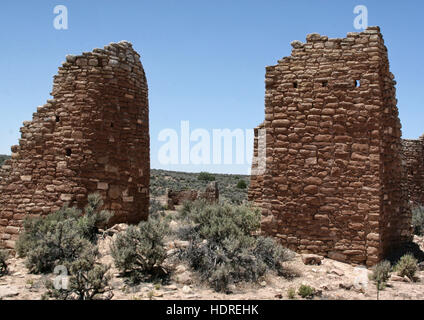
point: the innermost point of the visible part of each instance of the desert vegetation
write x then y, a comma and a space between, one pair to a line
418, 220
229, 188
3, 158
67, 238
222, 248
140, 251
3, 262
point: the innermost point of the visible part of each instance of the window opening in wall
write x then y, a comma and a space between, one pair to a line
295, 85
57, 118
68, 152
325, 83
357, 83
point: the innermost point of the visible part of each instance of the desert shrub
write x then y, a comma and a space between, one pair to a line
407, 266
87, 280
418, 220
205, 176
217, 222
222, 249
3, 262
306, 292
272, 253
61, 236
241, 184
156, 209
381, 274
222, 264
291, 293
139, 252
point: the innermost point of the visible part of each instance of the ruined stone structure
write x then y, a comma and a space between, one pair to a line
211, 194
333, 169
93, 136
413, 157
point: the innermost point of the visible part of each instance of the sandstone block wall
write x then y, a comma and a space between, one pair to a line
93, 136
211, 194
413, 157
333, 151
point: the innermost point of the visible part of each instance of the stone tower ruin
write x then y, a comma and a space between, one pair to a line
93, 136
333, 164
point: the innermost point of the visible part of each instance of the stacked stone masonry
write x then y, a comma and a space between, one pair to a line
413, 157
174, 198
93, 136
333, 169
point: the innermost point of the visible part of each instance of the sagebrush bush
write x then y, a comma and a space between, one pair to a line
87, 280
381, 274
306, 292
3, 262
407, 266
418, 220
61, 236
139, 252
206, 176
272, 253
217, 222
241, 184
222, 248
291, 293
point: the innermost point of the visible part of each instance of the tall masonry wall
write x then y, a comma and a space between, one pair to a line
93, 136
413, 157
333, 169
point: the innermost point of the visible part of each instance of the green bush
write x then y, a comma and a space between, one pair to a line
291, 293
272, 253
3, 262
88, 280
242, 184
206, 176
222, 249
217, 222
407, 266
61, 236
139, 252
381, 274
418, 220
306, 292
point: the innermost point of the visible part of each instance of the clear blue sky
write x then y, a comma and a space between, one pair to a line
205, 60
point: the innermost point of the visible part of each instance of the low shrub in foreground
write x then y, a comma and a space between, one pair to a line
222, 248
306, 292
139, 252
88, 280
381, 274
61, 236
407, 266
3, 262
